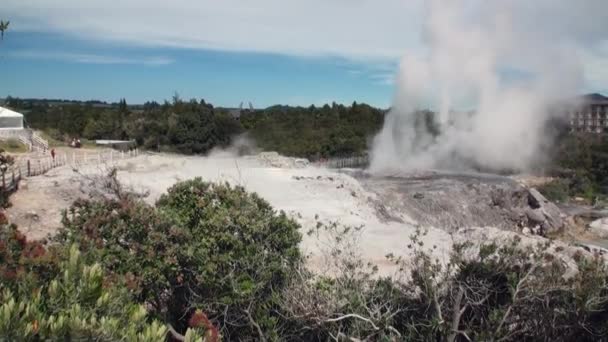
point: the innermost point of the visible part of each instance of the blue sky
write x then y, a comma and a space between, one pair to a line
265, 51
55, 66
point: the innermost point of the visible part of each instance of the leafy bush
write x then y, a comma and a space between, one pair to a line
207, 246
239, 249
53, 295
22, 260
75, 305
507, 292
557, 190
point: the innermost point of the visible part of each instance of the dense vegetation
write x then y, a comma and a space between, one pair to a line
52, 294
196, 127
185, 127
203, 246
581, 163
211, 262
315, 132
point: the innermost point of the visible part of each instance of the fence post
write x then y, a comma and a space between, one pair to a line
99, 158
3, 181
111, 157
29, 170
13, 175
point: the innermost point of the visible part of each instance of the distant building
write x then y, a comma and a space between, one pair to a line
590, 114
10, 119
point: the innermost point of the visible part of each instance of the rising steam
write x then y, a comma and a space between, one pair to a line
490, 76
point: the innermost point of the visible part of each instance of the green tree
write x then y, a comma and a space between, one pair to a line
3, 28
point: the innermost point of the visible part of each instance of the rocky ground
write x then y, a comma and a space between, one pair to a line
389, 208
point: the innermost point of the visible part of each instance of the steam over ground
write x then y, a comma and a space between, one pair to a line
491, 71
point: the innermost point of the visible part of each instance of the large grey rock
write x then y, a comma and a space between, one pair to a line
599, 227
553, 216
535, 216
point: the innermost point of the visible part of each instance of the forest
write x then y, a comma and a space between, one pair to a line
195, 127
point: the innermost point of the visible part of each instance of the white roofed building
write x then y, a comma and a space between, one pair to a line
10, 119
11, 127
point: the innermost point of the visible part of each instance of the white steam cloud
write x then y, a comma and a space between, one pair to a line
490, 75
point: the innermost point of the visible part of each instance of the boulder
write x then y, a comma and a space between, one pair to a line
535, 216
599, 227
553, 216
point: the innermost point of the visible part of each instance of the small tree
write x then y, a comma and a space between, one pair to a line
3, 27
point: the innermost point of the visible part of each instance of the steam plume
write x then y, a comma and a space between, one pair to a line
488, 58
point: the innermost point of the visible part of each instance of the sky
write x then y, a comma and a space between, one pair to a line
296, 52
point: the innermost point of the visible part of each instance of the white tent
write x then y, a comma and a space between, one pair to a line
10, 119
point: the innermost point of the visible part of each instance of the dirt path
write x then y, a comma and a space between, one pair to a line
37, 206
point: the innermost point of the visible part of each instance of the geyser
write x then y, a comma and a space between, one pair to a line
490, 74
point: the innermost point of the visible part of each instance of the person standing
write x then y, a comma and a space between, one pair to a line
53, 155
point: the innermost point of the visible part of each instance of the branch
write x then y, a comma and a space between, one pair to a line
518, 288
437, 308
353, 316
456, 314
175, 334
256, 326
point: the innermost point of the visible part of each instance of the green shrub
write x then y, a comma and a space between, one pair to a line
75, 305
239, 250
54, 295
557, 190
206, 246
505, 292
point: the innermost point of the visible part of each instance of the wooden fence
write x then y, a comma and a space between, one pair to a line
10, 180
349, 162
30, 167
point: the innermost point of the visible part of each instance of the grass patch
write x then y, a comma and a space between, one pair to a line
53, 137
13, 146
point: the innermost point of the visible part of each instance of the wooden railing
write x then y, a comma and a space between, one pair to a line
30, 167
28, 137
348, 162
38, 143
10, 180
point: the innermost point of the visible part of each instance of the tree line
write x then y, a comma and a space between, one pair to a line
195, 127
315, 132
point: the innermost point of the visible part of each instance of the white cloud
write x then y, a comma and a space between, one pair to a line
596, 68
90, 58
356, 29
383, 78
369, 31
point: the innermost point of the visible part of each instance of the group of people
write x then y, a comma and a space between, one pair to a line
75, 143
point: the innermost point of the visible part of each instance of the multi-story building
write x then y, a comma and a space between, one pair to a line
590, 114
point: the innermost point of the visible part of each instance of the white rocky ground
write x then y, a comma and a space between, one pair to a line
307, 193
